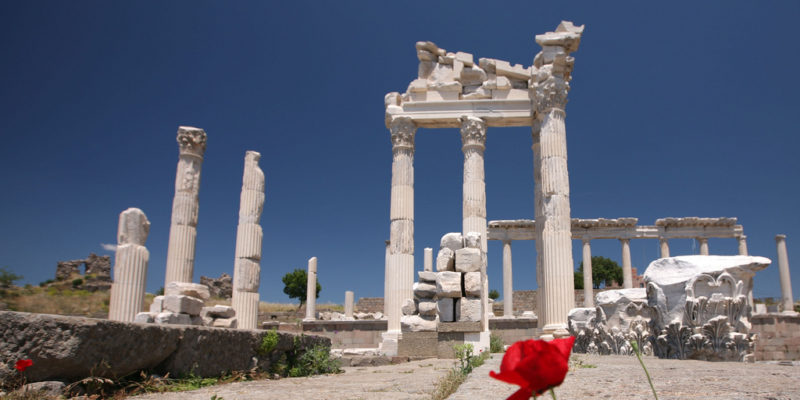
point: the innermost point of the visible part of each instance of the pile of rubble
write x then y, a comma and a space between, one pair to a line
184, 304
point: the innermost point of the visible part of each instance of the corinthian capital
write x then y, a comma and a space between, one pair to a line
549, 94
473, 132
403, 130
191, 140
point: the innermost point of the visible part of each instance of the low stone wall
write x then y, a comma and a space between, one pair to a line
778, 337
73, 348
369, 304
514, 330
525, 300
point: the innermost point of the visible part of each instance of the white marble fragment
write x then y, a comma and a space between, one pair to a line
472, 240
427, 307
187, 289
144, 318
224, 323
408, 308
182, 304
448, 284
416, 323
452, 241
426, 276
218, 311
445, 260
472, 284
172, 318
468, 260
424, 290
157, 305
469, 309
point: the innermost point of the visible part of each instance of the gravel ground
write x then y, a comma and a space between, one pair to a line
621, 377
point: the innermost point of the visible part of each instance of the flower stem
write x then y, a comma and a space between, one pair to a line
639, 356
553, 393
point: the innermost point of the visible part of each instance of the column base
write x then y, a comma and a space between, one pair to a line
554, 331
389, 343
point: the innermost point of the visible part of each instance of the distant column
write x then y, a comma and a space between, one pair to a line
249, 236
348, 304
386, 286
783, 269
130, 266
588, 292
183, 229
428, 266
703, 246
508, 282
664, 243
627, 275
311, 290
742, 245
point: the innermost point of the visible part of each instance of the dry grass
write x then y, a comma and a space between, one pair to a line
61, 301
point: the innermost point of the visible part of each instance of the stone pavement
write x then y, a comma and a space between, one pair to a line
621, 377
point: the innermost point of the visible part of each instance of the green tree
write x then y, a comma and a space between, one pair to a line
296, 283
604, 271
7, 278
494, 294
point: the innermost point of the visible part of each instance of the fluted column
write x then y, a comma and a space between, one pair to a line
428, 260
664, 244
311, 290
130, 266
348, 304
183, 229
783, 269
249, 236
400, 271
386, 279
588, 284
627, 273
742, 245
508, 282
703, 246
473, 139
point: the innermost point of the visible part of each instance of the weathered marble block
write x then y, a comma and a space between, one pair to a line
172, 318
416, 323
427, 307
427, 276
144, 318
187, 289
217, 311
469, 309
157, 305
448, 284
452, 241
424, 290
408, 308
445, 260
468, 260
224, 323
472, 284
445, 309
182, 304
472, 240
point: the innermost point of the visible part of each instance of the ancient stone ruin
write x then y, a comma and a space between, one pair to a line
221, 287
96, 276
130, 266
184, 304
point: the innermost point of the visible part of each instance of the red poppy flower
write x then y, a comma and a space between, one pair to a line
535, 365
23, 364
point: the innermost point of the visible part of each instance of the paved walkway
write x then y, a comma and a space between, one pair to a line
621, 377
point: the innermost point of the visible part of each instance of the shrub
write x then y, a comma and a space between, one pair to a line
496, 344
268, 342
7, 278
77, 282
316, 360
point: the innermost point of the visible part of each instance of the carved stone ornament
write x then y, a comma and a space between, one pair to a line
473, 132
403, 130
549, 94
192, 140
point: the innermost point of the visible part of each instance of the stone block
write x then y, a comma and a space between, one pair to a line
182, 304
187, 289
445, 310
225, 323
144, 318
445, 260
172, 318
197, 320
418, 344
157, 305
408, 307
472, 240
427, 276
472, 284
218, 311
469, 309
452, 241
427, 307
448, 284
464, 326
416, 323
424, 290
468, 260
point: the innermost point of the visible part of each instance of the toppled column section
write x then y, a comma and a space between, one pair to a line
550, 76
247, 268
311, 290
183, 229
130, 266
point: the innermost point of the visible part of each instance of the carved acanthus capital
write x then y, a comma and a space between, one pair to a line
473, 132
192, 140
551, 93
403, 130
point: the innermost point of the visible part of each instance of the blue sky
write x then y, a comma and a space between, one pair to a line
676, 109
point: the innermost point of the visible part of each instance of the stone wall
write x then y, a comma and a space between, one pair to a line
369, 304
525, 300
73, 348
778, 336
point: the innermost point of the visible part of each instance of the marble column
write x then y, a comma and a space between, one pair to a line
348, 304
130, 266
311, 290
473, 139
703, 246
428, 261
183, 229
508, 282
742, 245
588, 284
664, 244
787, 300
627, 272
385, 279
550, 76
400, 269
247, 268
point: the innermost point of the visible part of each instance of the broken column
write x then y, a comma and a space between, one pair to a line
428, 260
627, 268
348, 304
787, 300
183, 229
311, 290
742, 240
588, 283
664, 245
473, 139
400, 270
508, 281
550, 76
130, 266
703, 246
247, 268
